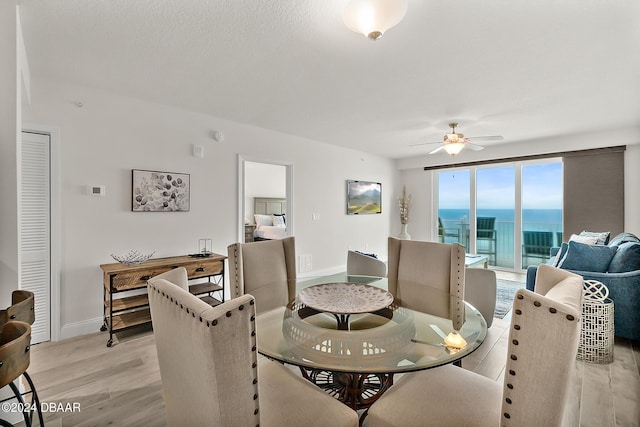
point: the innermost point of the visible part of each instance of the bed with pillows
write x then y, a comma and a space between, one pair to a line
614, 262
270, 227
269, 217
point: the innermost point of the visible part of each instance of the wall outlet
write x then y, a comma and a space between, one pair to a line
304, 263
315, 216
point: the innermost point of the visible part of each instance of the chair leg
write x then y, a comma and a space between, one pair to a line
16, 392
35, 401
35, 398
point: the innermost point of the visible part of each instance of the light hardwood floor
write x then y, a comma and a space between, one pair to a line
120, 386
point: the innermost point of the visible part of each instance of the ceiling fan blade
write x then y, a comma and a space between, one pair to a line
474, 147
485, 138
437, 149
423, 143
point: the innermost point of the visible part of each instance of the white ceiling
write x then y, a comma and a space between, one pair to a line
518, 68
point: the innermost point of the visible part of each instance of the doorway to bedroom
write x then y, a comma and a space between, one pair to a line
265, 201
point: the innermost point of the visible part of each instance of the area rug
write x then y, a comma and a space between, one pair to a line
505, 292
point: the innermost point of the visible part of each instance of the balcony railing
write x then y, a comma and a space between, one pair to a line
458, 231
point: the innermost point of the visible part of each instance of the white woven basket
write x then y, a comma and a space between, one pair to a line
597, 333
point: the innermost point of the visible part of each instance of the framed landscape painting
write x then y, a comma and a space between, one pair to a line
364, 197
159, 191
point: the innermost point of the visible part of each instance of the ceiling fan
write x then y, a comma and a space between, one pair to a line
454, 142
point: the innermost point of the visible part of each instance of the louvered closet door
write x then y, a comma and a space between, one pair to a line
35, 229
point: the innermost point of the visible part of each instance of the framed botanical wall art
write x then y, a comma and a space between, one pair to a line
154, 191
364, 197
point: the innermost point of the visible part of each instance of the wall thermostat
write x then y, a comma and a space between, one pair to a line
198, 151
96, 190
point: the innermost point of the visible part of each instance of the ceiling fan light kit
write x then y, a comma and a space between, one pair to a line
455, 142
453, 148
374, 17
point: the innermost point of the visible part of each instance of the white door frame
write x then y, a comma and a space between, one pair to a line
54, 171
241, 199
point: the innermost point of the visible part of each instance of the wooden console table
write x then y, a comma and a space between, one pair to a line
133, 310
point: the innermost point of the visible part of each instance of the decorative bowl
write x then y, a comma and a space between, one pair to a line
132, 257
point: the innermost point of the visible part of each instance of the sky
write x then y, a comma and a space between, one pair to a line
541, 187
358, 187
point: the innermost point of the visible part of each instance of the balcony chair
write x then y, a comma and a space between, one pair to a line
359, 264
414, 265
543, 343
480, 287
443, 232
486, 232
266, 270
210, 372
536, 244
15, 343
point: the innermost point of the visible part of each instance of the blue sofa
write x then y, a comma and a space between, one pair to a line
624, 287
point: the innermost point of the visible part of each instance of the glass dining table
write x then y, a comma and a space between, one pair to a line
353, 348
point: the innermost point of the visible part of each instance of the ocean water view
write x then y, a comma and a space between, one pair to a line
534, 216
501, 244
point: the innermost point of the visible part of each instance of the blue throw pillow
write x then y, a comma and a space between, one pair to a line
627, 258
623, 238
583, 257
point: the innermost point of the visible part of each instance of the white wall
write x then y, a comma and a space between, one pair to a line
632, 189
419, 186
110, 135
9, 136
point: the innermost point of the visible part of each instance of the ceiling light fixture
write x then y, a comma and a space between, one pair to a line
453, 148
373, 17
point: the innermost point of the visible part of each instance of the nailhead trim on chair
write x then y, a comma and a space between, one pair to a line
515, 342
235, 265
254, 364
459, 285
214, 322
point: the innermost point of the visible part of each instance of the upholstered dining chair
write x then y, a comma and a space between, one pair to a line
210, 373
266, 270
414, 265
543, 342
365, 265
480, 291
177, 276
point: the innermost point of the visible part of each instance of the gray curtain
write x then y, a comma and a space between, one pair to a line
593, 191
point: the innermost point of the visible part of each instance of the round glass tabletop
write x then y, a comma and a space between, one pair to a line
390, 340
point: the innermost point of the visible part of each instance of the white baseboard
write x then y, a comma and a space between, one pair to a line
83, 327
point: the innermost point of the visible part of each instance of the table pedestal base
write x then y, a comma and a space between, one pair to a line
357, 391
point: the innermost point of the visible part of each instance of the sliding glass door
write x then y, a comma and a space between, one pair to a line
495, 207
511, 213
541, 211
453, 206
